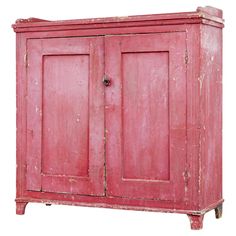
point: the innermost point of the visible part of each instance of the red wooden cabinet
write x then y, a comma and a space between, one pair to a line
121, 112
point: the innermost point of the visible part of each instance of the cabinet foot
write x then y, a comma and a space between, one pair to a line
48, 204
196, 221
219, 211
20, 208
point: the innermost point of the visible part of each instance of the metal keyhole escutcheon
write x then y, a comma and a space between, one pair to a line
106, 81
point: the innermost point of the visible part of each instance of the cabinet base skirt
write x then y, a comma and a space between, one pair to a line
196, 217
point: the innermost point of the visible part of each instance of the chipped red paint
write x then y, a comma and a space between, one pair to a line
121, 112
65, 156
146, 116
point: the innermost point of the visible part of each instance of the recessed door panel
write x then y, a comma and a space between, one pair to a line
146, 116
65, 119
65, 142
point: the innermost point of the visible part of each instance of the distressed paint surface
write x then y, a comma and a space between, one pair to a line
210, 81
177, 182
65, 108
201, 15
193, 116
65, 115
145, 103
169, 152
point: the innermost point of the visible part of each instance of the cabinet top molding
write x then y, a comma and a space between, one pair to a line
205, 15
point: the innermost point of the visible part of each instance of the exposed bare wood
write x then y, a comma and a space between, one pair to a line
30, 20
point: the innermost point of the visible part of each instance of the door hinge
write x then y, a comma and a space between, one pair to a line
26, 60
186, 57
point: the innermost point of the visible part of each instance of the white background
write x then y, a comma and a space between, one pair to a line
69, 220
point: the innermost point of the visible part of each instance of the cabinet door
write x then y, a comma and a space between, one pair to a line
146, 116
65, 115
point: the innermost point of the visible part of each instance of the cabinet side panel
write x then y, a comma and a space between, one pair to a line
210, 82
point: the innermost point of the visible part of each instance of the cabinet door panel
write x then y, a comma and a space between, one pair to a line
65, 115
146, 116
65, 121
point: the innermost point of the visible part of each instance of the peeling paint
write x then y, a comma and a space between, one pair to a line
36, 109
72, 181
200, 79
182, 186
